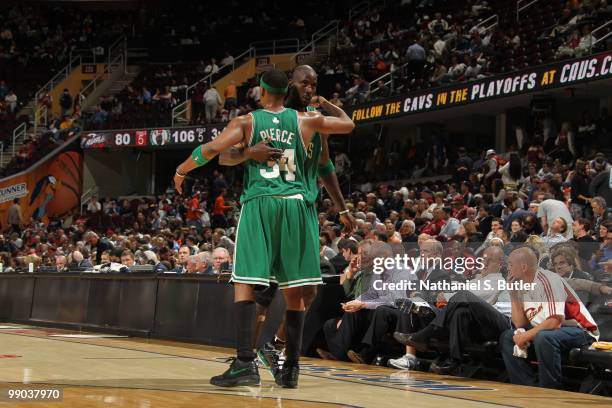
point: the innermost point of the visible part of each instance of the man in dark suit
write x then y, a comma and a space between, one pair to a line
484, 220
99, 244
341, 335
387, 318
79, 261
347, 249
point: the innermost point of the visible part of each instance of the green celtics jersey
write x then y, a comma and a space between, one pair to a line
311, 166
285, 177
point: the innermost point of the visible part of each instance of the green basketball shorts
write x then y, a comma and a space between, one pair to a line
277, 241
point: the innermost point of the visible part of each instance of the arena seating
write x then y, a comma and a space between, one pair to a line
384, 184
508, 44
40, 39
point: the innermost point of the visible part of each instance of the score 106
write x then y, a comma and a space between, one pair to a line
160, 137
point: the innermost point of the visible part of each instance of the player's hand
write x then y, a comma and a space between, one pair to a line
178, 183
349, 223
317, 100
262, 152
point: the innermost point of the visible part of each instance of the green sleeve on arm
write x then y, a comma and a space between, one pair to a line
326, 169
198, 157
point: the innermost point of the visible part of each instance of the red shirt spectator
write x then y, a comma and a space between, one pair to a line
434, 226
459, 208
220, 207
194, 205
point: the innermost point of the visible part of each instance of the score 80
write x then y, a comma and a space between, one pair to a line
122, 139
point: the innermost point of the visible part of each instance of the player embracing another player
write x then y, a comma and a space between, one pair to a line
276, 240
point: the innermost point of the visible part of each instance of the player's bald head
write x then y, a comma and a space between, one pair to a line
302, 71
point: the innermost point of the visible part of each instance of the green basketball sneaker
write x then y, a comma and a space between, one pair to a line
239, 373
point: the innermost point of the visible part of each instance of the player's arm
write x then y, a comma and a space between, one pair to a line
338, 122
232, 156
327, 174
261, 152
328, 107
231, 135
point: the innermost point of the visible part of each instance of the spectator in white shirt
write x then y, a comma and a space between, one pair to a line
552, 317
11, 101
212, 102
254, 96
227, 60
438, 26
456, 69
586, 41
556, 233
549, 211
94, 205
473, 70
439, 47
212, 68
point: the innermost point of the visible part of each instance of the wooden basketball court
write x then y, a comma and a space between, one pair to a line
130, 372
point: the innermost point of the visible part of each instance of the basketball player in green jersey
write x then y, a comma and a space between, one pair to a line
274, 231
302, 91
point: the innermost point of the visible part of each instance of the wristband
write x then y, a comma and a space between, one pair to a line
197, 156
326, 168
343, 212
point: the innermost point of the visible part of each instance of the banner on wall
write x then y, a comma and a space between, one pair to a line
536, 79
51, 188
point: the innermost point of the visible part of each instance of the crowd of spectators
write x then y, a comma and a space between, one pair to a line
572, 35
423, 44
423, 47
35, 148
36, 40
8, 112
559, 209
542, 139
149, 99
566, 226
550, 193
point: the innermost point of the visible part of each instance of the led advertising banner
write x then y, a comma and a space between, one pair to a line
540, 78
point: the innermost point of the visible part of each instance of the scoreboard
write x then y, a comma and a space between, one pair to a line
150, 138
